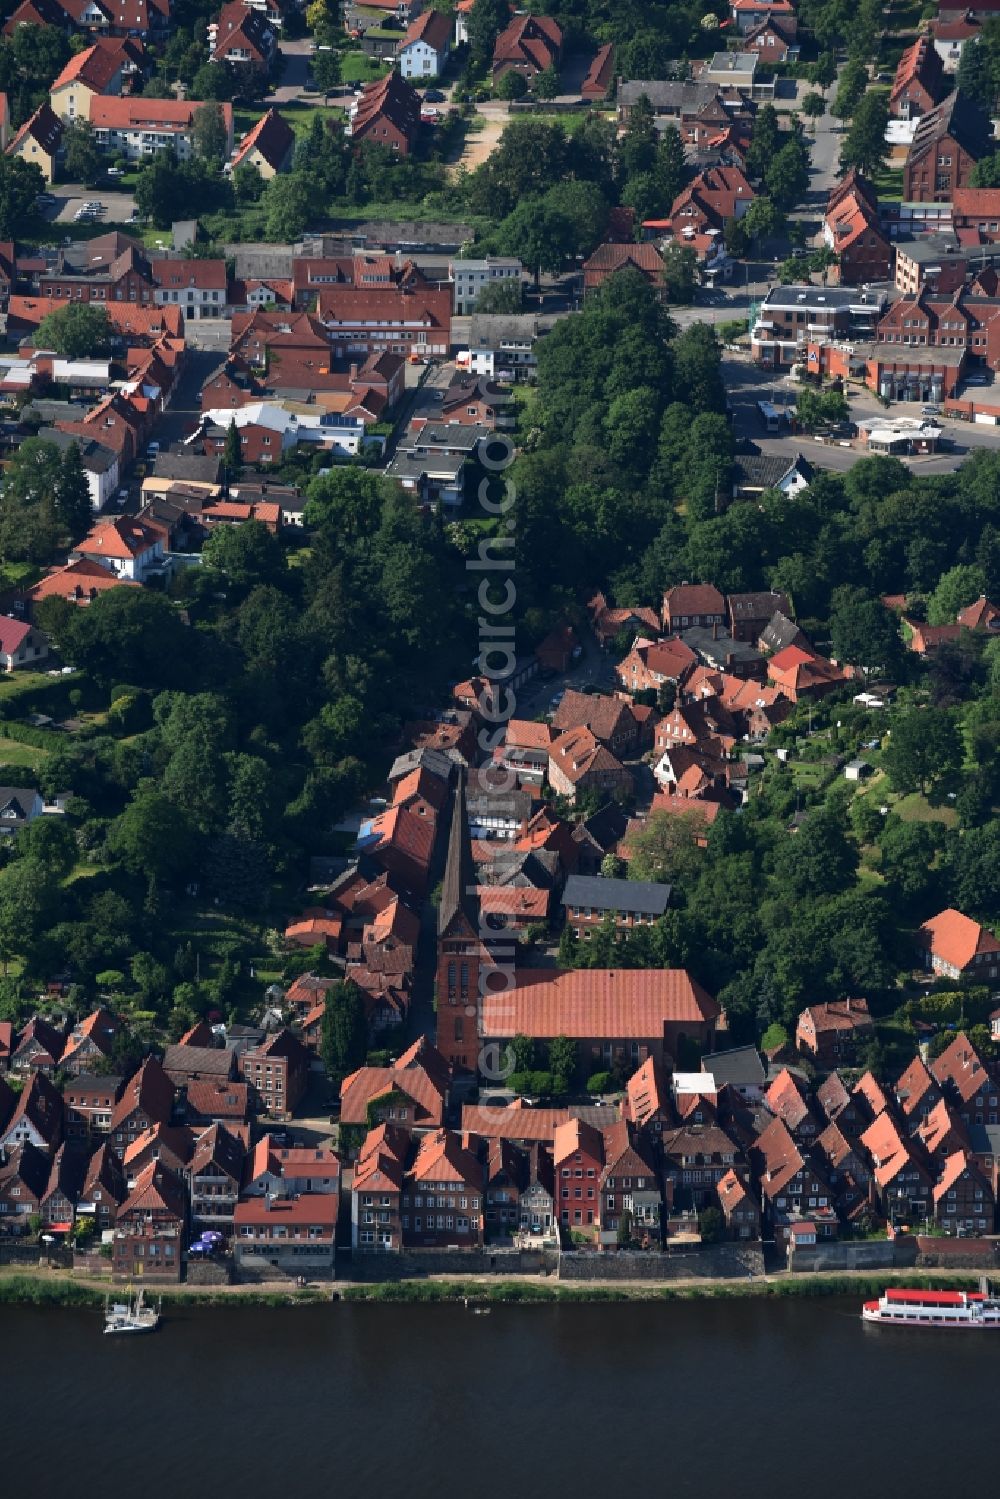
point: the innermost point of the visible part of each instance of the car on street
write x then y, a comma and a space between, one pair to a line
434, 96
556, 699
152, 449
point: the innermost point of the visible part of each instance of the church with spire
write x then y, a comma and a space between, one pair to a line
461, 954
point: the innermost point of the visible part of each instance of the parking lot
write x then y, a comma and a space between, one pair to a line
116, 208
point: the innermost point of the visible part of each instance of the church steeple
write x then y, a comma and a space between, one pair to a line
458, 897
461, 953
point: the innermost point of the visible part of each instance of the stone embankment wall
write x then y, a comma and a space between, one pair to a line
867, 1254
957, 1254
413, 1264
711, 1262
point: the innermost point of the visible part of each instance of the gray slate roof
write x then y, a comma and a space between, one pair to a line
739, 1065
642, 896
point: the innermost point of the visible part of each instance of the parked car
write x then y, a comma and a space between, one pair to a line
434, 96
152, 449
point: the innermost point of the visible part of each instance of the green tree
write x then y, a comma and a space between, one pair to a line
665, 849
209, 134
500, 296
232, 453
680, 273
289, 205
152, 837
850, 89
83, 161
513, 85
823, 72
133, 635
976, 78
924, 749
72, 494
344, 1035
248, 554
248, 184
563, 1062
78, 330
864, 632
820, 859
486, 20
761, 220
814, 106
546, 84
711, 1226
20, 184
786, 175
326, 71
765, 143
624, 1235
959, 586
865, 145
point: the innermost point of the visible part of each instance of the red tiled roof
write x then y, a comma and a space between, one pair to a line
315, 1209
432, 27
693, 598
578, 752
956, 939
44, 127
785, 1099
137, 112
600, 73
121, 538
596, 1002
95, 66
960, 1066
77, 582
529, 41
272, 136
615, 257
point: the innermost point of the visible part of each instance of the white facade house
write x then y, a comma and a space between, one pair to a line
138, 128
423, 52
125, 547
469, 277
198, 287
342, 435
500, 346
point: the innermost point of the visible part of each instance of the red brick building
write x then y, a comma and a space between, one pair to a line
529, 45
150, 1227
919, 81
852, 230
278, 1071
949, 140
388, 114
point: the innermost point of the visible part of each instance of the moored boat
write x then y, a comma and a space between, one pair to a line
131, 1316
908, 1306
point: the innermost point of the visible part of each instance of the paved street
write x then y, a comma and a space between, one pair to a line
746, 384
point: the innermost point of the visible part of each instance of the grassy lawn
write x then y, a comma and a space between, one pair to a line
889, 183
916, 808
809, 772
355, 67
12, 752
300, 116
17, 684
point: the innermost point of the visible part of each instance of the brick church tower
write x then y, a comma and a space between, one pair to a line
461, 952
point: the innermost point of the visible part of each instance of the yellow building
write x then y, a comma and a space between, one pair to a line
38, 141
108, 67
269, 147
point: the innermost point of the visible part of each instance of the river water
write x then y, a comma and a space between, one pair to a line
430, 1402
